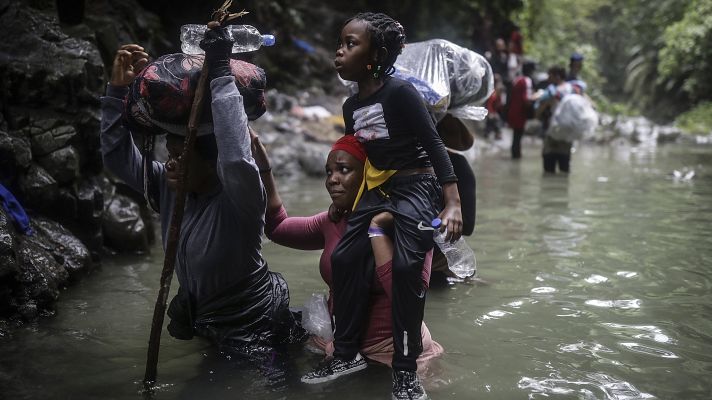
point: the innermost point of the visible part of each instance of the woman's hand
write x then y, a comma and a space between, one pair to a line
259, 152
130, 59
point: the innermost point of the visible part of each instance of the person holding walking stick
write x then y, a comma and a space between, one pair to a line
226, 294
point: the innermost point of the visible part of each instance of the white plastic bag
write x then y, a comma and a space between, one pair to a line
450, 78
573, 118
315, 317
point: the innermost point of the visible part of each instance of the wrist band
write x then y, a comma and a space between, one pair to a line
375, 232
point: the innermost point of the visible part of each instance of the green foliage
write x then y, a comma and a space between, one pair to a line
686, 58
653, 54
698, 120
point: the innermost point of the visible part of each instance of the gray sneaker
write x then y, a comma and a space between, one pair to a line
407, 386
334, 368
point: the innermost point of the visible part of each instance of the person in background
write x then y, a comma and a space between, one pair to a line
227, 293
554, 152
494, 107
575, 66
499, 58
344, 174
520, 101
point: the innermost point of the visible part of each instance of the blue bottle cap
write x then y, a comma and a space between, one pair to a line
268, 40
436, 223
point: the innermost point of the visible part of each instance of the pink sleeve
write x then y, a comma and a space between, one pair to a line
385, 277
302, 233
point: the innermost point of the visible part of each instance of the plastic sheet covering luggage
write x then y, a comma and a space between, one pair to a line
162, 94
251, 312
316, 319
573, 118
451, 79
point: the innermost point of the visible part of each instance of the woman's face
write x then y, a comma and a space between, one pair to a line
344, 173
201, 175
353, 52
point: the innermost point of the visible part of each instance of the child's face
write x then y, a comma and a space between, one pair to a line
353, 52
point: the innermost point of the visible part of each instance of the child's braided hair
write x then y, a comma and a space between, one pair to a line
385, 32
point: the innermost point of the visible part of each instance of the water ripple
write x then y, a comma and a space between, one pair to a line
543, 290
586, 387
647, 332
621, 304
648, 350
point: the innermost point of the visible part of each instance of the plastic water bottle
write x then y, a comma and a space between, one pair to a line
246, 37
460, 257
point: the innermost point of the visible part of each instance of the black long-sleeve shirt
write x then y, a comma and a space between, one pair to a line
397, 130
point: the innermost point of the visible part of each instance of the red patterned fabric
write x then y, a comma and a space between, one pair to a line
162, 94
351, 145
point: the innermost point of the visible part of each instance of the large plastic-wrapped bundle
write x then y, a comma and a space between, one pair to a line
451, 78
573, 118
161, 96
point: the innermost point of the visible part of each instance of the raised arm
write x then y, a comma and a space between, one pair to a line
236, 168
421, 123
119, 152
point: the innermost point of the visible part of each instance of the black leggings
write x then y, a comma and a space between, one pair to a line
550, 161
411, 200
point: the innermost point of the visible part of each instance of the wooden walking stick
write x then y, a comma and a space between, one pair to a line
220, 16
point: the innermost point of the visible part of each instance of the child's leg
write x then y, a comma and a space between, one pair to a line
352, 271
414, 202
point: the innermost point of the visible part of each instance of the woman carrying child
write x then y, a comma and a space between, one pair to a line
408, 175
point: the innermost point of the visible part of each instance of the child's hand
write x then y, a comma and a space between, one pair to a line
451, 218
336, 214
130, 59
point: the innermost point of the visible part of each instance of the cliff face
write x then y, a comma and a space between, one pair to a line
55, 58
52, 76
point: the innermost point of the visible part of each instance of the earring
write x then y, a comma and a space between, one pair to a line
369, 66
377, 73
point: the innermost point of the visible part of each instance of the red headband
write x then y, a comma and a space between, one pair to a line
351, 145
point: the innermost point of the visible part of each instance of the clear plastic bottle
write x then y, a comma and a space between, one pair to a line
246, 37
460, 257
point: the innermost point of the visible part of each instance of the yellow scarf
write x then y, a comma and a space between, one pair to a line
372, 178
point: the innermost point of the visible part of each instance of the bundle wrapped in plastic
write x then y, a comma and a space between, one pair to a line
315, 317
573, 118
161, 96
452, 79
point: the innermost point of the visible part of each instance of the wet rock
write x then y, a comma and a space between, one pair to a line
37, 188
40, 276
35, 267
292, 155
278, 102
62, 164
8, 264
668, 133
46, 141
43, 65
15, 155
90, 202
66, 249
123, 226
